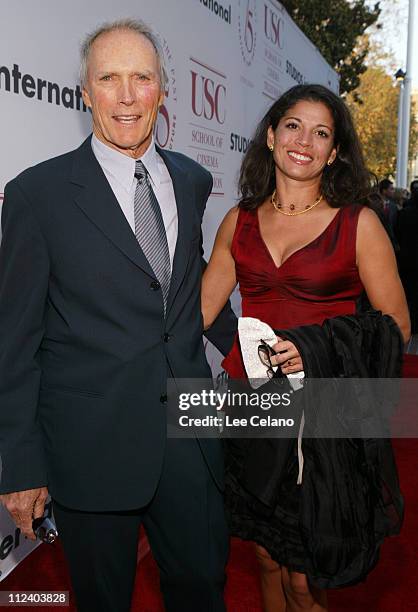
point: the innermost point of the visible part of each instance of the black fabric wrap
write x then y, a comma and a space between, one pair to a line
350, 496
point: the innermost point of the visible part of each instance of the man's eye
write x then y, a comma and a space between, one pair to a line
106, 77
142, 77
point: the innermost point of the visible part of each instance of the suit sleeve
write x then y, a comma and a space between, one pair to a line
24, 274
223, 330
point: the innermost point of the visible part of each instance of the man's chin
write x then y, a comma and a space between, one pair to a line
132, 147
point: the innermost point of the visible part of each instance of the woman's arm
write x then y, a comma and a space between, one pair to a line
219, 277
378, 271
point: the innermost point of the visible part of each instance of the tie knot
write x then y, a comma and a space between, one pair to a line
140, 171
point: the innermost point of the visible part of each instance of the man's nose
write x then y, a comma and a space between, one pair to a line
127, 93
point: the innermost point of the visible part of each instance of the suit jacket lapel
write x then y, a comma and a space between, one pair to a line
97, 200
184, 201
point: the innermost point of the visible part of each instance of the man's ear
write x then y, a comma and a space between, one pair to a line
86, 97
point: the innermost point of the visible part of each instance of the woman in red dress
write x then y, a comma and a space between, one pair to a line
303, 248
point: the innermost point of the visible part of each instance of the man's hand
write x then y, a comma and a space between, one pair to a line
24, 507
288, 357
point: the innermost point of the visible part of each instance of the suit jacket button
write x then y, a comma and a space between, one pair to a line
163, 398
166, 337
155, 285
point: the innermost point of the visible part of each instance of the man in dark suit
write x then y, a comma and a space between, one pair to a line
100, 271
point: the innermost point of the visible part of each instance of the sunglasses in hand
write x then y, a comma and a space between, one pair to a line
265, 353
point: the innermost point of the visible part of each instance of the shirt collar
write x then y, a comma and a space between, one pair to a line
122, 167
150, 161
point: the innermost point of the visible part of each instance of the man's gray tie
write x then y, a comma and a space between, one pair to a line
150, 230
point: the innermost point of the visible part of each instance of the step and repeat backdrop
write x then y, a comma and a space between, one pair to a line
227, 61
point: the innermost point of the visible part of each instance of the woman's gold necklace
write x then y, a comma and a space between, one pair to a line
292, 207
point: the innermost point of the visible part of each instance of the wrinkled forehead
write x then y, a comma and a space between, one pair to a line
122, 48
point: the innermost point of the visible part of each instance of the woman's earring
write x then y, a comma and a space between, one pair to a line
329, 162
271, 147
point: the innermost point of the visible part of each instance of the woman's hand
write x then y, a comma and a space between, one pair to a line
288, 358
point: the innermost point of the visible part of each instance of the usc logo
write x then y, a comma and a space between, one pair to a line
273, 27
208, 97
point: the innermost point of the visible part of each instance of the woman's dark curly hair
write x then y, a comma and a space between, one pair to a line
346, 181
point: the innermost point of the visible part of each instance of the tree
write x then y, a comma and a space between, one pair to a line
376, 120
335, 26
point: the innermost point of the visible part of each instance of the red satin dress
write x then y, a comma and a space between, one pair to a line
318, 281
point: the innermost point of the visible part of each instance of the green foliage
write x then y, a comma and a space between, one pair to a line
335, 27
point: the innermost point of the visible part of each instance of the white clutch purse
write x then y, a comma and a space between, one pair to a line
251, 332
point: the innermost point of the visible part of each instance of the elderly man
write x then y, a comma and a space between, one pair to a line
100, 273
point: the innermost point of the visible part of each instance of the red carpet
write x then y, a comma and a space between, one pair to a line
391, 587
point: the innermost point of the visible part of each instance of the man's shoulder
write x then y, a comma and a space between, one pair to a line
188, 164
47, 172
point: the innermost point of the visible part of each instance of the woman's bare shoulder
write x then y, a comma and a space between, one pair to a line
228, 225
369, 227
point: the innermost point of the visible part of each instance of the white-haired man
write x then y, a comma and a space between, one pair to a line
100, 274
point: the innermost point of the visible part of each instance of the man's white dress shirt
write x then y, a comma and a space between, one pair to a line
119, 170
